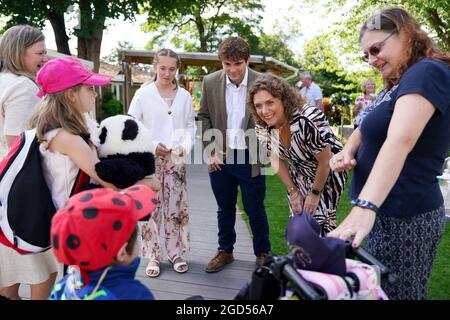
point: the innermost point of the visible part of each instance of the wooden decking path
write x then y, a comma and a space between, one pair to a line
223, 285
203, 225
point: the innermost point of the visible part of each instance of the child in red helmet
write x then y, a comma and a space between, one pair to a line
95, 234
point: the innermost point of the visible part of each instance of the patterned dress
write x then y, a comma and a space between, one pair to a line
171, 212
310, 134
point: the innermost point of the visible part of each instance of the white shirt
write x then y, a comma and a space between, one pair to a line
312, 94
235, 99
17, 101
170, 125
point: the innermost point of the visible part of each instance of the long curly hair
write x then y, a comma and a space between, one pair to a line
278, 88
418, 44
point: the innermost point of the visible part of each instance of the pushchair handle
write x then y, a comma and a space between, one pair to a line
282, 268
366, 257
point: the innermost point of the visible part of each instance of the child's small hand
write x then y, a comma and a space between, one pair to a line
178, 151
152, 182
162, 150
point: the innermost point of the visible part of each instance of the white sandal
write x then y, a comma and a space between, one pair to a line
176, 266
153, 268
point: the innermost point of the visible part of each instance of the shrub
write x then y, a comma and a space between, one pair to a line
110, 106
340, 106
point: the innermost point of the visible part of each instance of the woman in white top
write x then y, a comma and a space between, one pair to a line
167, 111
22, 54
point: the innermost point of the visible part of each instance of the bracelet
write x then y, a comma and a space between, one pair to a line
365, 204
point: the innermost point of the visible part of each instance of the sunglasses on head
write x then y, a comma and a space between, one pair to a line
375, 49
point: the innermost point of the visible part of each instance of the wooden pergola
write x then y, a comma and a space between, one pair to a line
200, 59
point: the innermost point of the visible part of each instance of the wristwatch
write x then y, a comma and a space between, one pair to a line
316, 191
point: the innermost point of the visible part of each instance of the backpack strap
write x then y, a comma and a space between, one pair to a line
12, 154
81, 180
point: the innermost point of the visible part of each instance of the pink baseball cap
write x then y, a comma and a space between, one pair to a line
63, 73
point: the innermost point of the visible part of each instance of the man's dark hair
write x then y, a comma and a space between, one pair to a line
234, 48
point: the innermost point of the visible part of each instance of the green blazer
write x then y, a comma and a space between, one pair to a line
213, 112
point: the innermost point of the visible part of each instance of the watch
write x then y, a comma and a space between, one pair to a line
316, 191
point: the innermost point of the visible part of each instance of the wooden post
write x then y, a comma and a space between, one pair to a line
182, 71
127, 86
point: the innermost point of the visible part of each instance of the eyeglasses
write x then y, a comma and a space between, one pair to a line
375, 49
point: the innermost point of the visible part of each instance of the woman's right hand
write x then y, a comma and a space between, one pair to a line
342, 161
161, 150
296, 202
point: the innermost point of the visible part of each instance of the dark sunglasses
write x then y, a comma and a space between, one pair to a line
375, 49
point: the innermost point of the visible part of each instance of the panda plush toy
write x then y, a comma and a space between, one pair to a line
124, 151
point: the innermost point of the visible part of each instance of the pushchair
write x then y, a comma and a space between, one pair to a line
317, 269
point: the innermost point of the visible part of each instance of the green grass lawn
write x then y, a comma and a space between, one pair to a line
278, 215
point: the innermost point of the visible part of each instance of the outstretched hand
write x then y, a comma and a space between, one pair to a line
342, 161
357, 225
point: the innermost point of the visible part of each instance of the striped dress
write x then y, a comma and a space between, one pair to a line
310, 134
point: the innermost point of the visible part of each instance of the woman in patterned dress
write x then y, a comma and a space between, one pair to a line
300, 134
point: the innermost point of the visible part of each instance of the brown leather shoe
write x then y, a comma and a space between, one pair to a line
260, 259
219, 261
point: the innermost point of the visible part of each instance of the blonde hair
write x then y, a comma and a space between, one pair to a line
166, 53
13, 45
365, 83
57, 111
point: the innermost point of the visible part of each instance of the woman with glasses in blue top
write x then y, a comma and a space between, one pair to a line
397, 152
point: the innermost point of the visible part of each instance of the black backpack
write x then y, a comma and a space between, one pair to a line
26, 205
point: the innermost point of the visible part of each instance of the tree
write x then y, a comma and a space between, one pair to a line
92, 20
273, 46
200, 25
435, 15
113, 57
35, 12
320, 57
93, 15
